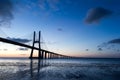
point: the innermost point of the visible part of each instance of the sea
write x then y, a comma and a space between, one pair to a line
60, 69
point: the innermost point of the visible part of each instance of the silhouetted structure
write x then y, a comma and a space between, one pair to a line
42, 54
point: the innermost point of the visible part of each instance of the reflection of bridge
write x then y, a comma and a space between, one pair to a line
42, 54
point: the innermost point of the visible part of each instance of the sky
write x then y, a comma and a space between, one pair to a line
82, 28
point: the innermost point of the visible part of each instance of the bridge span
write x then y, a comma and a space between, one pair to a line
42, 54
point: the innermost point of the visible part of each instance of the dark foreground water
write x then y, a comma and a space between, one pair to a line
60, 69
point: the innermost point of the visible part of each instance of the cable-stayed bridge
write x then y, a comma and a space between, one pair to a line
42, 53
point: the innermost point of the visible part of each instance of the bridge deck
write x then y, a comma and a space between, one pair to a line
24, 45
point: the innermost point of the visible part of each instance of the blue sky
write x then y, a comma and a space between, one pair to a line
68, 26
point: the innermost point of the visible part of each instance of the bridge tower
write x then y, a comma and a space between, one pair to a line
34, 42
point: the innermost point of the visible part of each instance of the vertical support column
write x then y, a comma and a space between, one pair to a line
55, 56
31, 55
45, 54
38, 41
48, 55
39, 54
51, 55
42, 54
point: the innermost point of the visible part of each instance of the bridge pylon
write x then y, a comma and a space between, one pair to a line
34, 42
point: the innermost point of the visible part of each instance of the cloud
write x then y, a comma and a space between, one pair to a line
7, 7
6, 12
51, 43
60, 29
19, 40
102, 45
48, 42
48, 4
23, 49
114, 41
87, 50
112, 45
5, 49
100, 49
53, 4
96, 14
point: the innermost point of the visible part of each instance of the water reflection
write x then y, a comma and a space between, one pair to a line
35, 68
60, 69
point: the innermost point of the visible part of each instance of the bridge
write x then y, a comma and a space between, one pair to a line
42, 54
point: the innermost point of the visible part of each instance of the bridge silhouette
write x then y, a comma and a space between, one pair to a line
42, 53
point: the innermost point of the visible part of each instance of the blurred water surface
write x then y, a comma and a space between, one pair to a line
60, 69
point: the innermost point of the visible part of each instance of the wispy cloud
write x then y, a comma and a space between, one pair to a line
48, 4
96, 14
5, 49
113, 44
114, 41
23, 49
6, 12
100, 49
86, 49
53, 4
7, 8
19, 40
41, 4
59, 29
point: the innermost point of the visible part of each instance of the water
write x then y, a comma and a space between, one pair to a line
60, 69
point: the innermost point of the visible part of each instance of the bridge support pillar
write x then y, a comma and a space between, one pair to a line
42, 54
45, 54
34, 41
48, 55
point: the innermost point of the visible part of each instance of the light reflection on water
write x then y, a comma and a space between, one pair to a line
60, 69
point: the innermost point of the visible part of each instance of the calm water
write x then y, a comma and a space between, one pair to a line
60, 69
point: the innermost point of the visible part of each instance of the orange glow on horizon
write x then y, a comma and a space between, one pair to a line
16, 53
